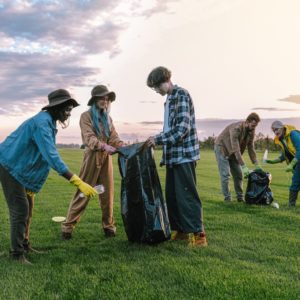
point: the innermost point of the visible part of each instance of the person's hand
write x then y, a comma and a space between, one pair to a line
109, 149
150, 142
291, 165
245, 171
85, 188
273, 161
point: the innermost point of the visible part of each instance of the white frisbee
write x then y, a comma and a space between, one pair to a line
58, 219
275, 205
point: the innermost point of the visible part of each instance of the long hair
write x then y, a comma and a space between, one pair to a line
101, 116
55, 112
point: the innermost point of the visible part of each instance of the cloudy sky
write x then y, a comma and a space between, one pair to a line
234, 56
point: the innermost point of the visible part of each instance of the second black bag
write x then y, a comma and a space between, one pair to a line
258, 188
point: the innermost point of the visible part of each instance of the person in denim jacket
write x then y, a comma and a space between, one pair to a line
26, 157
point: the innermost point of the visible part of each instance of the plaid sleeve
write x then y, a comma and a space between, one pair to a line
182, 123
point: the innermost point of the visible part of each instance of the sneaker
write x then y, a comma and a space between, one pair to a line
109, 232
66, 236
227, 200
240, 199
200, 239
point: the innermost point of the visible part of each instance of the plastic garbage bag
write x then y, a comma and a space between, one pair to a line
258, 188
143, 209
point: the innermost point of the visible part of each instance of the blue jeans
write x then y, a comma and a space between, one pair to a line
229, 166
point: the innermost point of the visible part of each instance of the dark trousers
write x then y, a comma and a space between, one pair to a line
18, 206
183, 202
295, 186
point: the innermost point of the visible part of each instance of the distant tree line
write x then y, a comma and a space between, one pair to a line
68, 145
261, 143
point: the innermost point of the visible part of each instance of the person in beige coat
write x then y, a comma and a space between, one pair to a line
101, 140
229, 148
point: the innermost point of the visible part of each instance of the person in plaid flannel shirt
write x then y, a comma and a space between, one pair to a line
180, 153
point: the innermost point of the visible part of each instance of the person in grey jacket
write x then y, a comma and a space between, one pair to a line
229, 148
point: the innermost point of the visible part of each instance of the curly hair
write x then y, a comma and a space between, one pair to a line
158, 76
253, 117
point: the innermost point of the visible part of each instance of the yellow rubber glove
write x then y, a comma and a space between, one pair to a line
245, 171
83, 187
291, 165
30, 193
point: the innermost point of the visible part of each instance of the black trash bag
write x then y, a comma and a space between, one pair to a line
258, 188
143, 208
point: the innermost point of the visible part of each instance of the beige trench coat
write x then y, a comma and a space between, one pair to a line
96, 169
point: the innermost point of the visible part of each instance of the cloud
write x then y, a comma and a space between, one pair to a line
151, 123
45, 44
26, 80
291, 98
274, 109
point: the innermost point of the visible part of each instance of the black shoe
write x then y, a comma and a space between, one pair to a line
66, 236
109, 233
29, 249
21, 259
240, 199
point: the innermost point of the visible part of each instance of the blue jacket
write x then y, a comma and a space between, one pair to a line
29, 152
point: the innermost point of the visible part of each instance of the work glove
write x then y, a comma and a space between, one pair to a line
85, 188
245, 171
258, 167
30, 193
273, 161
109, 149
291, 165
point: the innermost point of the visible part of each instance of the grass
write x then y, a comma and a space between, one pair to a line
253, 251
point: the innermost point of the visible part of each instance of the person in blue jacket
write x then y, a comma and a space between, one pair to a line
26, 157
288, 138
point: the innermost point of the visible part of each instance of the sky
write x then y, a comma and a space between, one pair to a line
233, 56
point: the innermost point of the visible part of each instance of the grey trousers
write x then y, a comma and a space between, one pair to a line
183, 202
226, 167
18, 206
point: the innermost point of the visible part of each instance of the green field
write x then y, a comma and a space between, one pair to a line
253, 252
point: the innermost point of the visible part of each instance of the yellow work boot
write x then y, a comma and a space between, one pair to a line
179, 236
200, 239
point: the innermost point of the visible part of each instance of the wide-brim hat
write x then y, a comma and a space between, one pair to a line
101, 91
58, 97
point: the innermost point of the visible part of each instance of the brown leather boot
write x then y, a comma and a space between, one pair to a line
66, 236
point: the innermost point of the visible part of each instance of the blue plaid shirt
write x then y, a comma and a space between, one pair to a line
181, 141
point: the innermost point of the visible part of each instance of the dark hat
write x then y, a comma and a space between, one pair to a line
58, 97
100, 91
